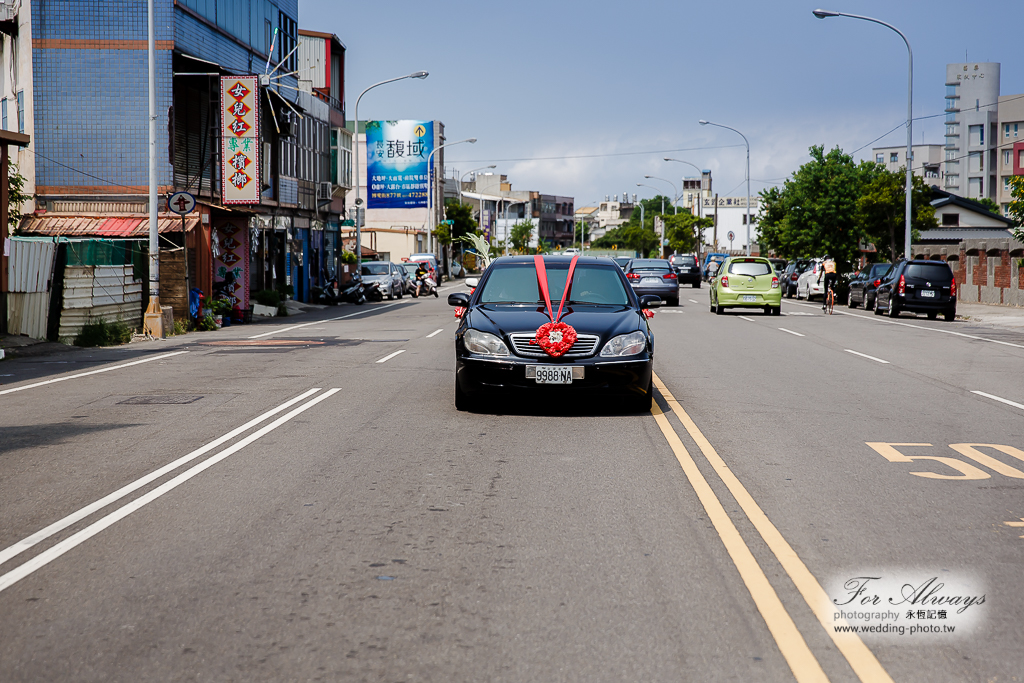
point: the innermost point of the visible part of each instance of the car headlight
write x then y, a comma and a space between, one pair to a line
484, 343
625, 345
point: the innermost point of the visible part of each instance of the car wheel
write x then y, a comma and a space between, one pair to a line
893, 311
878, 309
868, 303
461, 400
673, 302
401, 292
949, 316
642, 404
932, 315
850, 303
696, 285
767, 310
720, 309
391, 293
777, 310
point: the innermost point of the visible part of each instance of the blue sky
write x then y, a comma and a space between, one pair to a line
541, 84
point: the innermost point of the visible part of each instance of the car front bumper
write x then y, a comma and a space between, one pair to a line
626, 377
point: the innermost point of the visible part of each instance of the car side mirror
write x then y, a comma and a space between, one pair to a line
458, 299
472, 282
648, 301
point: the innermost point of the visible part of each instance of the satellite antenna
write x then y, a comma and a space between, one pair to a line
268, 80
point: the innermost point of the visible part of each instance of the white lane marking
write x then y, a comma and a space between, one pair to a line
328, 320
388, 357
58, 526
435, 332
743, 317
694, 301
864, 355
921, 327
91, 372
51, 554
1001, 400
792, 332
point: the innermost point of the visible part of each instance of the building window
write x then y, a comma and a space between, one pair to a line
1006, 183
1006, 210
951, 91
1020, 158
950, 220
894, 157
951, 154
1007, 157
21, 111
976, 135
1006, 130
879, 158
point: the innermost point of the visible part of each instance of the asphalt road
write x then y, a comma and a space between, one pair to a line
158, 524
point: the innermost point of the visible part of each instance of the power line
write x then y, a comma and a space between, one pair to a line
594, 156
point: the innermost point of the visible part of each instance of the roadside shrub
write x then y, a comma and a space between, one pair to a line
268, 297
207, 323
103, 333
180, 327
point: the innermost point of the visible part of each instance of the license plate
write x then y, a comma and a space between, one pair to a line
928, 293
553, 374
650, 281
748, 297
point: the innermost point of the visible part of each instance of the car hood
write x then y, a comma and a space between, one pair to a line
603, 321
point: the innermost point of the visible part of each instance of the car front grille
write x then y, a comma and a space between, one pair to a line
586, 345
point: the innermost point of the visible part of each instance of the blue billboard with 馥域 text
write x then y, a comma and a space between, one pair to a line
396, 163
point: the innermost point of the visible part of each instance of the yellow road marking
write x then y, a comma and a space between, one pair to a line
860, 658
792, 645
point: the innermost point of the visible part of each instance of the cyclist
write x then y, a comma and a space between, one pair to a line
828, 272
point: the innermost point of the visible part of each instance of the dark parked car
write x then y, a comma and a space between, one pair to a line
621, 261
791, 274
863, 285
918, 286
654, 276
779, 264
496, 348
687, 269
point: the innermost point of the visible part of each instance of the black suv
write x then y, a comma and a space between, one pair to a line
918, 286
687, 269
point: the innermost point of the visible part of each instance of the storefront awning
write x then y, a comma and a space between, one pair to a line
123, 226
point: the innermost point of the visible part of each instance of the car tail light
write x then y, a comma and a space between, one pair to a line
633, 276
903, 285
775, 283
794, 277
877, 282
952, 287
669, 276
725, 280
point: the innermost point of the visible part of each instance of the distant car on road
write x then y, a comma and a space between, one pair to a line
622, 261
708, 260
779, 264
654, 276
788, 278
746, 282
687, 269
571, 251
808, 285
863, 285
918, 286
387, 277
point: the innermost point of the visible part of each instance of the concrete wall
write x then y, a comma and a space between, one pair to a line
986, 272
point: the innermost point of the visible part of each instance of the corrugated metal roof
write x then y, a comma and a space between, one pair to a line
103, 226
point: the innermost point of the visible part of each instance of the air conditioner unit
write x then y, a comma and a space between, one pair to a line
324, 191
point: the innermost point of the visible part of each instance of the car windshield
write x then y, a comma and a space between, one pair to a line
939, 272
375, 269
517, 284
410, 268
685, 261
878, 270
749, 268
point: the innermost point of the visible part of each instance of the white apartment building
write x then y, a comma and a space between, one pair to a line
612, 213
16, 102
1010, 151
972, 112
927, 161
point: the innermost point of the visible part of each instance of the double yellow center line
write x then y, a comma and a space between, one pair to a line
791, 642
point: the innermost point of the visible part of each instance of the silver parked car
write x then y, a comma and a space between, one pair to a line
386, 275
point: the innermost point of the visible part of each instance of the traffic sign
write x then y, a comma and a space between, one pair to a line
181, 203
731, 235
348, 223
448, 222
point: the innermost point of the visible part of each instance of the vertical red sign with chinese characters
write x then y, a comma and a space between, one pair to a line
240, 136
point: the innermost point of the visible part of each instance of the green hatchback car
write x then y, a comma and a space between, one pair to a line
746, 282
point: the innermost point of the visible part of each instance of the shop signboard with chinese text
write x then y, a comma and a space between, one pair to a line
240, 126
396, 163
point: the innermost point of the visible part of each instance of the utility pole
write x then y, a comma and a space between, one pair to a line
154, 319
716, 221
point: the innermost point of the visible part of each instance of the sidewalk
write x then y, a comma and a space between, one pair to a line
20, 346
1011, 317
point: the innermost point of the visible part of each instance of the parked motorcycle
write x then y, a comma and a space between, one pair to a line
354, 292
329, 296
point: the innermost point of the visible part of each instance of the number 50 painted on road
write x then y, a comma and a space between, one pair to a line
966, 470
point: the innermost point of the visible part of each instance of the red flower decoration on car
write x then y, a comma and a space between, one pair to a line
555, 338
649, 313
459, 310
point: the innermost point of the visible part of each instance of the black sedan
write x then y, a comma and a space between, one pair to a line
654, 276
864, 284
496, 346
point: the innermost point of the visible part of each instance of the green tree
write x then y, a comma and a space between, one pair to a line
681, 230
815, 212
882, 208
1016, 208
520, 234
16, 196
462, 217
990, 205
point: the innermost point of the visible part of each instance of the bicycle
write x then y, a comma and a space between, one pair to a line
830, 299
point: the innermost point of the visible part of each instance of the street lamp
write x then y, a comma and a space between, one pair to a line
709, 123
821, 14
467, 173
355, 157
700, 197
430, 190
656, 190
675, 193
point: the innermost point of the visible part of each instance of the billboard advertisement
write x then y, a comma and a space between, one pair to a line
240, 125
396, 163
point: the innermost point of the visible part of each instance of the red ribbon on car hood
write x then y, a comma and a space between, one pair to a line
554, 337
